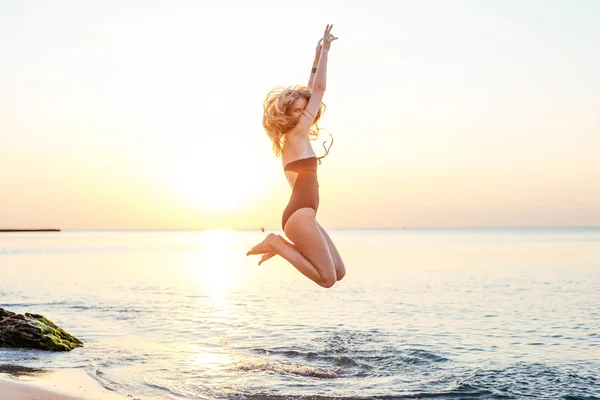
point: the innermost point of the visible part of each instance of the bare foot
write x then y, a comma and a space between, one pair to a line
266, 256
266, 246
270, 254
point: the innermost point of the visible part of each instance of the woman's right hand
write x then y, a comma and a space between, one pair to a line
327, 38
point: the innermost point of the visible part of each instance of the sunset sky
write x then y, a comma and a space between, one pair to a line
147, 114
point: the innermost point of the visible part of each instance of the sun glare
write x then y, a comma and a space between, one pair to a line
212, 184
214, 266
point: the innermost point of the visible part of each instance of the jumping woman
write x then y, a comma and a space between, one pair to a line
290, 120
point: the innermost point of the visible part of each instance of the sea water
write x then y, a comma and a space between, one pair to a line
422, 313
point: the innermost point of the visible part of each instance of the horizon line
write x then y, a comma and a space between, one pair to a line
338, 229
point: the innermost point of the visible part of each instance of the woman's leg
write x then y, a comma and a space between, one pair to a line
309, 253
340, 268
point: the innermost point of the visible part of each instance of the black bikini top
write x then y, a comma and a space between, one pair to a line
302, 165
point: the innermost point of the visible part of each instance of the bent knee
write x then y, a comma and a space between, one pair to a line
328, 275
328, 282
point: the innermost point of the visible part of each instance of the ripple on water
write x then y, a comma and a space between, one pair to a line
535, 380
346, 354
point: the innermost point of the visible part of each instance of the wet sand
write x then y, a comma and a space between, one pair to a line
24, 391
21, 383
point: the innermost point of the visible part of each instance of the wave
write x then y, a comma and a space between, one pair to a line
52, 303
303, 370
420, 374
481, 394
358, 362
535, 380
74, 306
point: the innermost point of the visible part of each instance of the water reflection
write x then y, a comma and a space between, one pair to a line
212, 267
211, 359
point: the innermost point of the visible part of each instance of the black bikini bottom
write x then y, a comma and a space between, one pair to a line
304, 194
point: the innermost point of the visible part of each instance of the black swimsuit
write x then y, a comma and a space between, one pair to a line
305, 192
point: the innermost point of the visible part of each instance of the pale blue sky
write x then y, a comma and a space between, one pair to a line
131, 114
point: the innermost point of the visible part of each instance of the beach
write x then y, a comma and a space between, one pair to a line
17, 391
444, 313
24, 384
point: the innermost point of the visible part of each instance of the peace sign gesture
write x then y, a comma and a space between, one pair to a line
328, 38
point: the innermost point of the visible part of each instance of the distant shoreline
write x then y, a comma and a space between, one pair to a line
29, 230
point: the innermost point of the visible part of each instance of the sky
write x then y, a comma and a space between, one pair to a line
147, 114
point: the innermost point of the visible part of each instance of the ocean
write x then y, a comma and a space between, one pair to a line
422, 313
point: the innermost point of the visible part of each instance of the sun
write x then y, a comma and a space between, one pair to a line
212, 183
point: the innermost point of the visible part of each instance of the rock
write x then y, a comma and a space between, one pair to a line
34, 331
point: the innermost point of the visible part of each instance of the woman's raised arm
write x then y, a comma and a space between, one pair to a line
319, 82
315, 64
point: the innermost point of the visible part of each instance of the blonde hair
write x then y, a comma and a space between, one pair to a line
275, 120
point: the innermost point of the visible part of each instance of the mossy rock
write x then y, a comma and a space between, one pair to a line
34, 331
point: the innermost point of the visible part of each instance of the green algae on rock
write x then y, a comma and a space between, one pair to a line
34, 331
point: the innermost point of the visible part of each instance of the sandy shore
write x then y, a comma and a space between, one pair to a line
20, 384
24, 391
